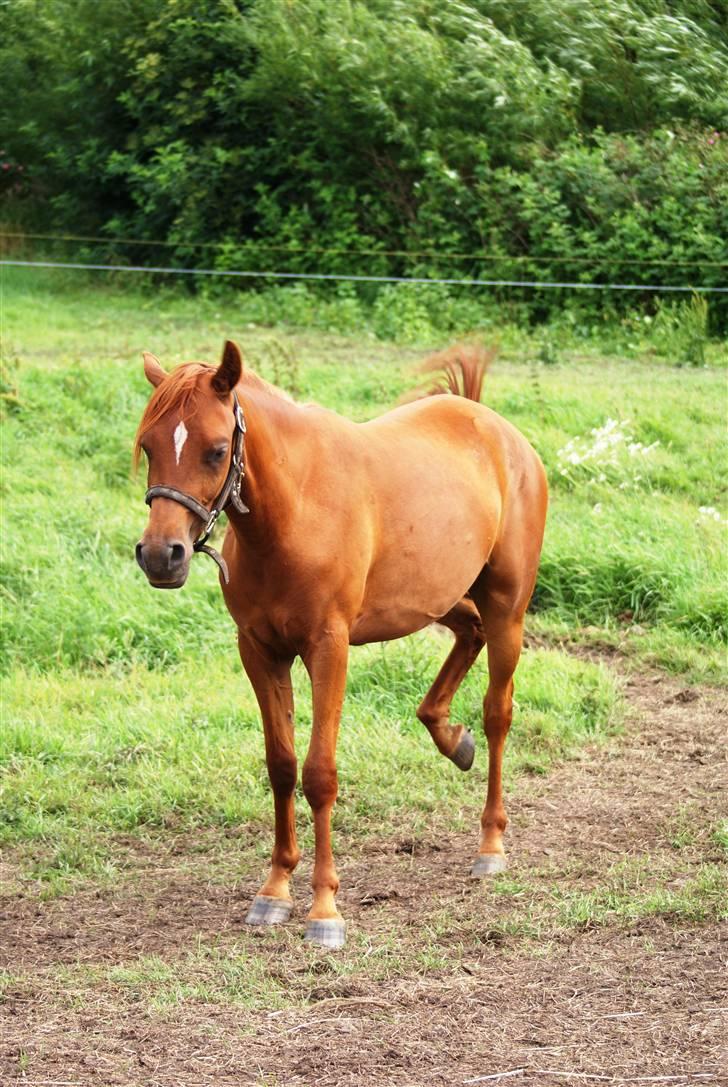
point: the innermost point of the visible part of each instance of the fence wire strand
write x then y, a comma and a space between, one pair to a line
405, 253
351, 278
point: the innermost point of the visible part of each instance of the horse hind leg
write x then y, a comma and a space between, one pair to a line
454, 741
505, 638
502, 595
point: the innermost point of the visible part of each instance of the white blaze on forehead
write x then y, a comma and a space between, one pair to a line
180, 437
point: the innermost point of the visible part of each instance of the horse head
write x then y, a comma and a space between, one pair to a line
192, 435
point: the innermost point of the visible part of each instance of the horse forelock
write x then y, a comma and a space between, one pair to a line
178, 389
176, 392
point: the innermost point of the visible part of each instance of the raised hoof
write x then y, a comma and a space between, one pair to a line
265, 910
464, 753
487, 864
326, 932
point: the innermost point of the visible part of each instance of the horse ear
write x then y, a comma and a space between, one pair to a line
153, 369
230, 370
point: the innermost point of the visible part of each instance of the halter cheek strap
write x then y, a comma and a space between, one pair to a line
230, 493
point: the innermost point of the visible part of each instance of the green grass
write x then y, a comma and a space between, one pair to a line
125, 711
529, 909
208, 975
91, 756
720, 835
701, 898
631, 553
627, 896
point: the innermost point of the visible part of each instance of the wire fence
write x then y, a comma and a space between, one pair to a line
352, 278
407, 254
357, 277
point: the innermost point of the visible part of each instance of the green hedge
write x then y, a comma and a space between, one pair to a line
568, 139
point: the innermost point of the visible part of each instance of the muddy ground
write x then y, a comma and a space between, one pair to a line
537, 984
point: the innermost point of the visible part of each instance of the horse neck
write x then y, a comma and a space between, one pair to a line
275, 458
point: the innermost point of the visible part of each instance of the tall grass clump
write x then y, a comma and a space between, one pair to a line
681, 330
629, 553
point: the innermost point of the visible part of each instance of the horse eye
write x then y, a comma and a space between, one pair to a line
216, 454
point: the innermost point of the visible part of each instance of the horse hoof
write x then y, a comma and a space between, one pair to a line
265, 910
487, 864
464, 753
326, 932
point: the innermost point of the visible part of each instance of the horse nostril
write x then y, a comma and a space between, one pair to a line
177, 554
138, 551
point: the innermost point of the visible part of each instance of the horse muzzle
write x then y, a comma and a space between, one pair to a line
165, 562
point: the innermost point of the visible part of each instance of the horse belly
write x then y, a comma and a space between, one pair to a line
428, 561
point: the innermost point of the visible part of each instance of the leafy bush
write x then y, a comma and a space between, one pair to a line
545, 141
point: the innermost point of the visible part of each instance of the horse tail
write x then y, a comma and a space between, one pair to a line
459, 370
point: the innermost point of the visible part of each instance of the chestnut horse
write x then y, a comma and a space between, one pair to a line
340, 534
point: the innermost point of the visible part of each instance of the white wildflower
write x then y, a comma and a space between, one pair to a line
606, 453
710, 513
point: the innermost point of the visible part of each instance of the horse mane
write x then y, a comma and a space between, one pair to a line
251, 378
176, 391
460, 370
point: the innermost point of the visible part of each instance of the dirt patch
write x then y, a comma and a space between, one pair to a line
609, 1003
511, 986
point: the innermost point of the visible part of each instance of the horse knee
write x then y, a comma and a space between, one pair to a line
282, 772
320, 784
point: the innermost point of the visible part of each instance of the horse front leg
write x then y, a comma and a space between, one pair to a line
270, 677
326, 662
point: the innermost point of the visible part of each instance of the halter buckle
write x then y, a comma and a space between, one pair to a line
211, 522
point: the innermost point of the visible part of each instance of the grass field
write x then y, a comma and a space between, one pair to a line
126, 709
127, 723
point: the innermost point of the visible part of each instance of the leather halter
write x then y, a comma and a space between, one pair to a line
230, 493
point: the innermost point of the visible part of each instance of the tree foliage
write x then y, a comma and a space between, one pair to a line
540, 132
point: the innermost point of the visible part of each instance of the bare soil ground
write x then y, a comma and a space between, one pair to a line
560, 973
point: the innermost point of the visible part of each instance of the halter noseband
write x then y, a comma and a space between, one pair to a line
230, 493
